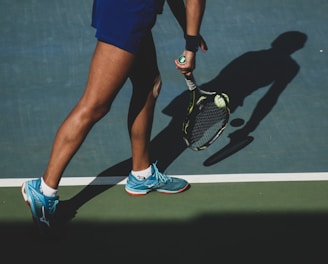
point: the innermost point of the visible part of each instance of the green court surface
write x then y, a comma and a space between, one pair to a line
45, 50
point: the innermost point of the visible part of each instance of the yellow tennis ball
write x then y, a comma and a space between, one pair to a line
219, 101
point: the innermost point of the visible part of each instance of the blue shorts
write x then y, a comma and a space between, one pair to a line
124, 23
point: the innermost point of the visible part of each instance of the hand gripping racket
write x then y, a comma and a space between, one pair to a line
207, 115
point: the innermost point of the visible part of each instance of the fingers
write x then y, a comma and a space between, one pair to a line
186, 62
203, 45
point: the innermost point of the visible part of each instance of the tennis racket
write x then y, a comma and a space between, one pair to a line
207, 115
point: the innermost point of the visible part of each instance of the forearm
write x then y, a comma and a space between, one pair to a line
194, 15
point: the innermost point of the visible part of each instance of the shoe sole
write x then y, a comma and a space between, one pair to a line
138, 193
24, 194
27, 201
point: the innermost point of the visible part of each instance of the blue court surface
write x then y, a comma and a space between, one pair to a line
261, 200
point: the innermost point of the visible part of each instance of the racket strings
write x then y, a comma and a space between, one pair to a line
207, 123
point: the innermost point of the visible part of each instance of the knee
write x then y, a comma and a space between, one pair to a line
93, 113
98, 112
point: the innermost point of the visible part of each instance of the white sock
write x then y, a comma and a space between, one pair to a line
142, 174
46, 190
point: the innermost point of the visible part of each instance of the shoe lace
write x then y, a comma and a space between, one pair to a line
161, 177
52, 203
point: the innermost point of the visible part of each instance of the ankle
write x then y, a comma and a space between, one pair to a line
47, 190
142, 174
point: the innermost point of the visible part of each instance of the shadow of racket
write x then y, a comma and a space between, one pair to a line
235, 145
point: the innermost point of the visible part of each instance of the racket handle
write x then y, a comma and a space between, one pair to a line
190, 80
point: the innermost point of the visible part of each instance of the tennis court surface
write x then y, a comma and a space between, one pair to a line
262, 201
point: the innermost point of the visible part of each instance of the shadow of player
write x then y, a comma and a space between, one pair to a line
251, 71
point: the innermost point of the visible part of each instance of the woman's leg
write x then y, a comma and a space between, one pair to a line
146, 84
108, 71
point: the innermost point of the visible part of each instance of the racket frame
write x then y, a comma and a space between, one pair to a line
194, 89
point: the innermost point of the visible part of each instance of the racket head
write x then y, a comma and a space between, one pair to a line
205, 120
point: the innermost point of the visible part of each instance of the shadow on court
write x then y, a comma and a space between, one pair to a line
227, 238
251, 71
239, 79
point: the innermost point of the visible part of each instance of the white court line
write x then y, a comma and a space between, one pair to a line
201, 178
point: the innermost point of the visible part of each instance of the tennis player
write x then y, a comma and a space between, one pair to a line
124, 50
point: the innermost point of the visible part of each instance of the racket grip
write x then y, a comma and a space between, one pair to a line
191, 83
190, 80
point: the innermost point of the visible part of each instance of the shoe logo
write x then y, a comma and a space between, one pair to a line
150, 185
43, 218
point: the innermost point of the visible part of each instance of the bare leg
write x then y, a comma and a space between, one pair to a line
140, 125
108, 71
146, 86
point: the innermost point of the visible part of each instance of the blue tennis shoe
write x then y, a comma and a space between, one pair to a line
156, 182
42, 207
